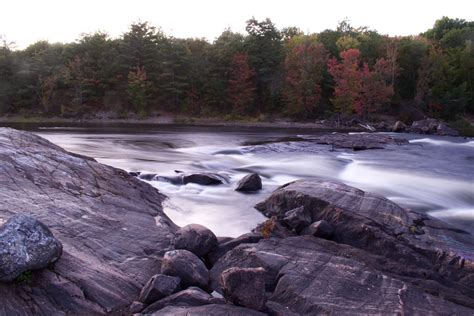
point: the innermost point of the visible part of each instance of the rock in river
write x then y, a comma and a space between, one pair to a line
249, 183
26, 244
195, 238
112, 227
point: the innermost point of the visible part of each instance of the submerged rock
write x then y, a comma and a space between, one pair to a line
111, 226
26, 244
359, 141
195, 238
244, 287
249, 183
187, 266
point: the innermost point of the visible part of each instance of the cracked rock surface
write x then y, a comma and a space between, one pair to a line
112, 227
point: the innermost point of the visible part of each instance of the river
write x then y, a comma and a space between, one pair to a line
431, 174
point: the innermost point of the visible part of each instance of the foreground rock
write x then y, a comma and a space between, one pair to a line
359, 141
185, 265
249, 183
244, 287
26, 244
312, 276
195, 238
111, 225
421, 257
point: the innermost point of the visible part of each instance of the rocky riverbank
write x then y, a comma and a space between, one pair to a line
326, 248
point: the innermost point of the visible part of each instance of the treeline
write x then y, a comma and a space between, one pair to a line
266, 71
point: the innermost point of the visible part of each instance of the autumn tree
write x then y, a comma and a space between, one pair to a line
241, 89
138, 90
358, 88
304, 65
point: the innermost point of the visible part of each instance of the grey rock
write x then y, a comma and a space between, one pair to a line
249, 183
26, 244
111, 225
195, 238
399, 127
317, 276
193, 296
244, 287
382, 228
147, 176
276, 309
230, 244
187, 266
273, 228
359, 141
159, 286
297, 218
208, 310
320, 229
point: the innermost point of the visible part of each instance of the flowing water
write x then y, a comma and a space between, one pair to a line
431, 174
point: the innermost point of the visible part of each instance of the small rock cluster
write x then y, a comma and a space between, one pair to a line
185, 280
427, 126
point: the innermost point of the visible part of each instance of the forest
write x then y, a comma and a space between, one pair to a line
266, 72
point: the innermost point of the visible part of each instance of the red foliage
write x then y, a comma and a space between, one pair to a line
357, 88
304, 65
241, 88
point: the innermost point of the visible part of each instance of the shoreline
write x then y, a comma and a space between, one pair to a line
172, 120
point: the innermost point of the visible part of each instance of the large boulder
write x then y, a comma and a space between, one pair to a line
111, 225
195, 238
230, 244
399, 127
26, 244
159, 286
419, 245
310, 276
244, 287
187, 266
249, 183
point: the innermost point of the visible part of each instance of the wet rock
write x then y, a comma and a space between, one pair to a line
111, 226
208, 310
317, 276
399, 127
320, 229
297, 218
244, 287
193, 296
249, 183
26, 244
359, 141
187, 266
195, 238
136, 307
134, 173
204, 178
230, 244
159, 286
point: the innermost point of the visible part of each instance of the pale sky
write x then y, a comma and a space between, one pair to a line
27, 21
